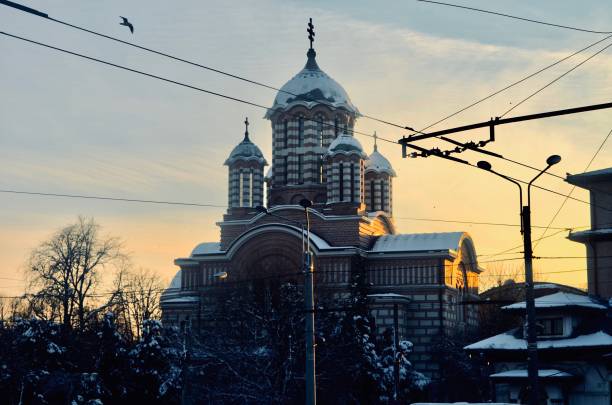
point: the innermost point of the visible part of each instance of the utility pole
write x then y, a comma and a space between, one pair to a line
311, 389
532, 339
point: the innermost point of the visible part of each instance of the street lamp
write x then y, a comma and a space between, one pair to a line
308, 269
532, 345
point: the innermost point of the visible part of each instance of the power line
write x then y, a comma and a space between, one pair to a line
574, 186
514, 83
178, 59
91, 197
516, 18
181, 203
556, 79
153, 76
475, 222
521, 245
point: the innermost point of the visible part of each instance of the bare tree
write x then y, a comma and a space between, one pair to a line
499, 273
138, 292
65, 271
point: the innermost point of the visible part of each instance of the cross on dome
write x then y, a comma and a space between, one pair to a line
311, 33
246, 128
375, 138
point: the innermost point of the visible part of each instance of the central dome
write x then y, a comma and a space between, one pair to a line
312, 86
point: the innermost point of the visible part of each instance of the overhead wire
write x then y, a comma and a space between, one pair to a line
202, 66
182, 84
516, 17
574, 186
555, 80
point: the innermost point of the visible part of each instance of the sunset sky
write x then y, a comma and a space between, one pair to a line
73, 126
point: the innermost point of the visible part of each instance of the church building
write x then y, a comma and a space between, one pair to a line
419, 281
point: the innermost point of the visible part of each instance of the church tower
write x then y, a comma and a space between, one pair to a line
344, 168
379, 182
309, 112
245, 180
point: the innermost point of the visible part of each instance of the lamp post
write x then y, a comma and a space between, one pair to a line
532, 344
308, 269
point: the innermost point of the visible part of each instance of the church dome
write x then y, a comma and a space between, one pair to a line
346, 144
312, 86
379, 164
246, 151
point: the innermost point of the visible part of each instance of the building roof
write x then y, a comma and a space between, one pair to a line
246, 151
207, 248
508, 341
418, 242
377, 163
546, 373
561, 299
584, 179
346, 144
312, 86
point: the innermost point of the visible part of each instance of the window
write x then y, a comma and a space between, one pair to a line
285, 134
382, 195
320, 130
372, 199
352, 196
286, 166
336, 127
320, 169
341, 185
301, 131
300, 169
550, 327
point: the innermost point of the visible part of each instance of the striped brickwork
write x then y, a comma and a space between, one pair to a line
379, 192
245, 184
300, 139
345, 180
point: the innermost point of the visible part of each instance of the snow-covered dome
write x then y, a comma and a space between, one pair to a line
346, 144
246, 150
312, 86
377, 163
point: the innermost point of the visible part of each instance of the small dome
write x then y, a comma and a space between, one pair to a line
312, 86
346, 144
246, 150
377, 163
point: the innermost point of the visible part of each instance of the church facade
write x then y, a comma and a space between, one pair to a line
418, 281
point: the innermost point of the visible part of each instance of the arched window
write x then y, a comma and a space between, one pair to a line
301, 131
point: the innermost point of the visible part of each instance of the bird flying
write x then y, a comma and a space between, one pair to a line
127, 24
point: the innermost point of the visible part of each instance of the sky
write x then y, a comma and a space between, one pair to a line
73, 126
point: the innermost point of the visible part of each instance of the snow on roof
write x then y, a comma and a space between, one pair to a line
547, 373
207, 248
544, 286
558, 300
181, 300
309, 87
268, 173
507, 341
418, 242
377, 163
587, 177
461, 403
176, 281
389, 295
346, 144
246, 151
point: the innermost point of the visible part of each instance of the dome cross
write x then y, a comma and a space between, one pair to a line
246, 128
311, 33
375, 138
